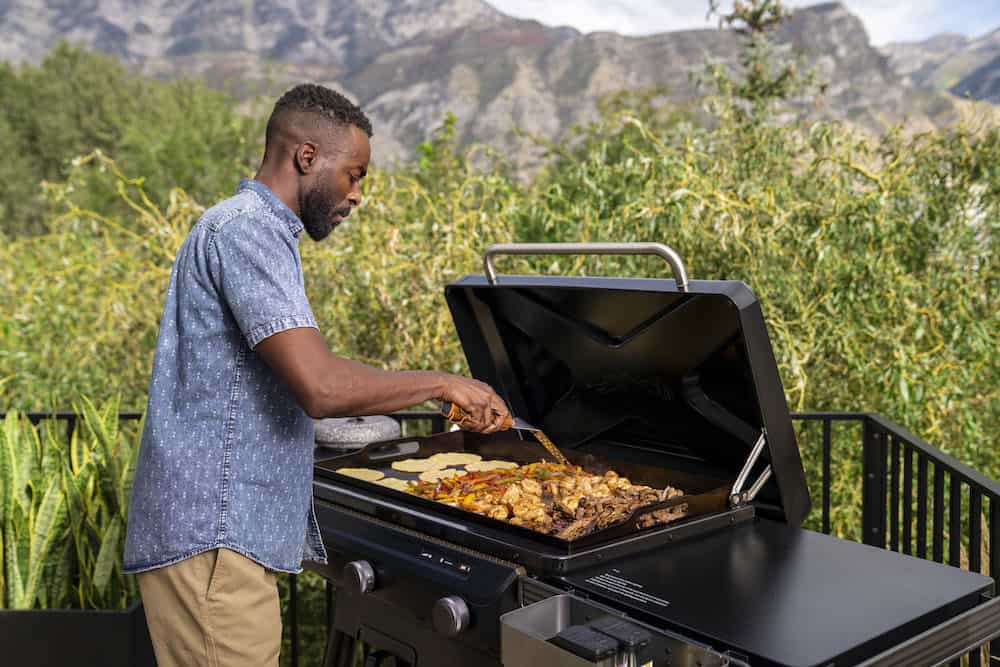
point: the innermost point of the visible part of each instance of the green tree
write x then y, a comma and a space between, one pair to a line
761, 81
77, 101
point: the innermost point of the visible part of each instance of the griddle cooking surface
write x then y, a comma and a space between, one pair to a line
702, 495
787, 596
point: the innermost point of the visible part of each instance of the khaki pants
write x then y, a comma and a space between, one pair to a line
215, 609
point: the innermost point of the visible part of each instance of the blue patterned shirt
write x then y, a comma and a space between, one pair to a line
227, 453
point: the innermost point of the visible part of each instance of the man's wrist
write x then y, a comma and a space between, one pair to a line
436, 383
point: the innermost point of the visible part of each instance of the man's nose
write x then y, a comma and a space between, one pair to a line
354, 197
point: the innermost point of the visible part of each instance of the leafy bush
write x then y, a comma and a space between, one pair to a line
875, 260
77, 101
63, 508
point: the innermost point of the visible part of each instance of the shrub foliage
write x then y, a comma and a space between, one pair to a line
875, 259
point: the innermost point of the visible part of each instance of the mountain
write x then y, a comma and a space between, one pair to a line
408, 62
954, 63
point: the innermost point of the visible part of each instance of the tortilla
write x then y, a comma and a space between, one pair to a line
483, 466
418, 465
435, 475
394, 483
455, 458
366, 474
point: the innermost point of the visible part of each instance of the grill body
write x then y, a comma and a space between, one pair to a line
640, 375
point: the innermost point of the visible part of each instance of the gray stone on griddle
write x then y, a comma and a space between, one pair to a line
351, 433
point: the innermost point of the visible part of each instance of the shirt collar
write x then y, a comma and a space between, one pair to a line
273, 202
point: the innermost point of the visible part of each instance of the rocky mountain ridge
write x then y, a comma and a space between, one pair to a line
954, 63
408, 62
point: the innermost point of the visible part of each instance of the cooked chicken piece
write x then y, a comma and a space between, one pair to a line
511, 495
481, 505
526, 509
567, 484
601, 491
542, 524
497, 512
534, 513
615, 483
569, 504
531, 486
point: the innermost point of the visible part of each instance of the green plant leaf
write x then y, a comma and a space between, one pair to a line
61, 585
107, 556
3, 557
47, 531
103, 424
12, 565
7, 453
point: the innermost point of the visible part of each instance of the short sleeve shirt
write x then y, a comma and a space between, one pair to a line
226, 453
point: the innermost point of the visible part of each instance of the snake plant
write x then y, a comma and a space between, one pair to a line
63, 509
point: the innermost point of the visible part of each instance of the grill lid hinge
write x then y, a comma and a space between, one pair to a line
737, 496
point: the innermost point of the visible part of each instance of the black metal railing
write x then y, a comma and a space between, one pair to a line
71, 419
914, 498
908, 488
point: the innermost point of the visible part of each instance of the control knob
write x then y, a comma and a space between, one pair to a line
359, 577
450, 616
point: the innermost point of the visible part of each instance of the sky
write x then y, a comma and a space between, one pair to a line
885, 20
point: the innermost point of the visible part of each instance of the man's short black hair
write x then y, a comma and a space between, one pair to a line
320, 100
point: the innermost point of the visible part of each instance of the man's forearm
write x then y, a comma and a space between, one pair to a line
353, 388
326, 385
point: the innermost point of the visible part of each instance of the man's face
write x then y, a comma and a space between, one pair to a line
336, 187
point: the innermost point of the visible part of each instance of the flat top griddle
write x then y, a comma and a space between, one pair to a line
702, 495
784, 595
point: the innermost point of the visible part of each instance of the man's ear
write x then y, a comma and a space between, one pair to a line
306, 156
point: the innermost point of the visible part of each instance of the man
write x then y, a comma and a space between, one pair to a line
222, 498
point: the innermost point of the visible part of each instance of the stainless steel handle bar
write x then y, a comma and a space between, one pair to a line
658, 249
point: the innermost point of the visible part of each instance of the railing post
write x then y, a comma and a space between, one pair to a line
995, 565
873, 489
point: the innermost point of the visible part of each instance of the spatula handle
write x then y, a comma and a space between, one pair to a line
455, 414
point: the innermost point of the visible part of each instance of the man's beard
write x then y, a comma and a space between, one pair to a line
317, 213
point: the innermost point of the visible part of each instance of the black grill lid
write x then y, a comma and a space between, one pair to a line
636, 362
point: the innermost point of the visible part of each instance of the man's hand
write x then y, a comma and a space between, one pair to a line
486, 410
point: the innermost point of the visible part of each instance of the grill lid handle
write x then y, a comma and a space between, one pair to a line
658, 249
